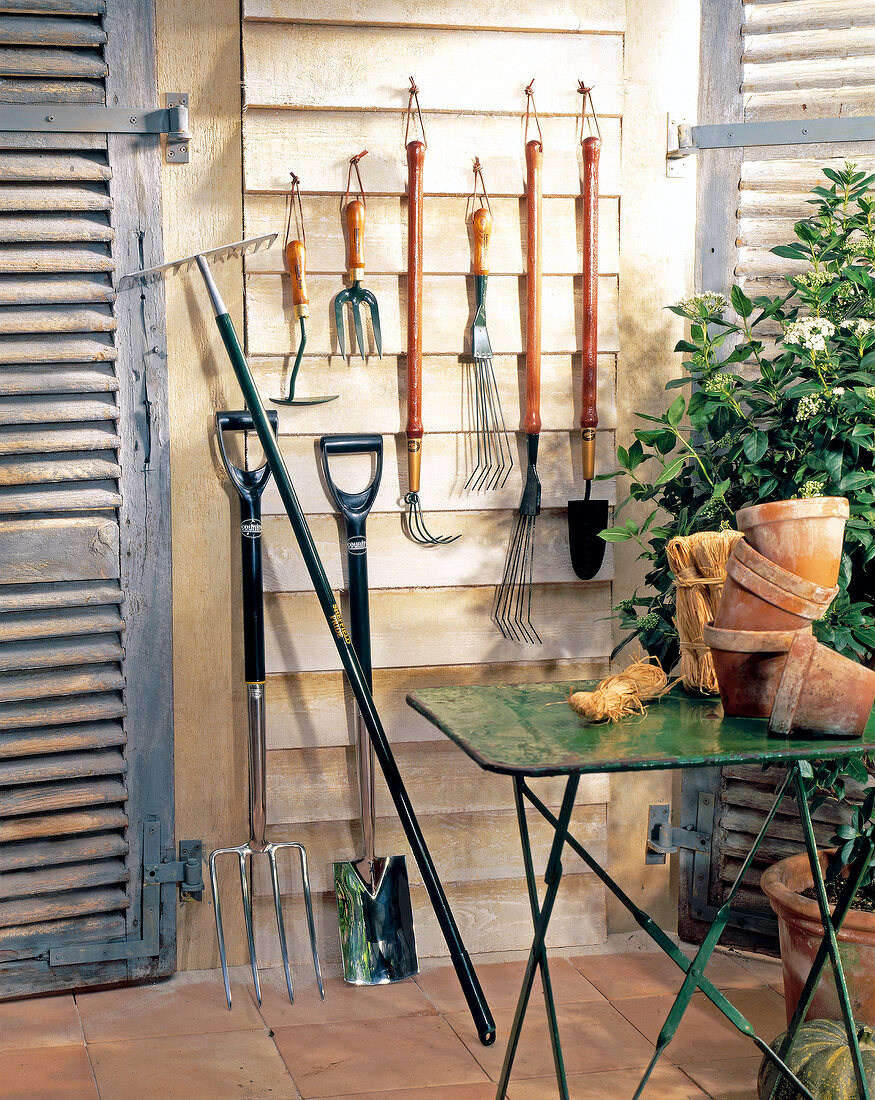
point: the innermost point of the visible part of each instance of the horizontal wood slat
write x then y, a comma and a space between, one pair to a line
372, 392
49, 684
804, 46
36, 472
41, 258
447, 232
39, 799
62, 348
319, 144
59, 289
446, 466
33, 319
76, 708
446, 318
61, 549
72, 903
289, 70
27, 90
41, 853
39, 410
803, 15
29, 30
53, 167
26, 941
53, 378
85, 497
572, 622
15, 198
21, 61
90, 735
43, 596
315, 710
50, 440
33, 826
53, 227
59, 880
70, 765
101, 619
68, 7
89, 649
479, 559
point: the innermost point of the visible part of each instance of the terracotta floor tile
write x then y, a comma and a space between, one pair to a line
594, 1037
704, 1033
729, 1079
50, 1021
233, 1064
439, 1092
49, 1073
343, 1003
187, 1004
501, 985
666, 1083
379, 1055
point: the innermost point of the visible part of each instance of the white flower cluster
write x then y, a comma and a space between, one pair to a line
811, 489
707, 303
860, 327
719, 383
870, 393
810, 333
809, 406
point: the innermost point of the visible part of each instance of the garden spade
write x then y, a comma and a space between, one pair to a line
587, 517
373, 893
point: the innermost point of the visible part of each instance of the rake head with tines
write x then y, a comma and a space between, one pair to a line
512, 608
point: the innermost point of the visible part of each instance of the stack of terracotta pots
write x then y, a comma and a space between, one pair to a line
780, 578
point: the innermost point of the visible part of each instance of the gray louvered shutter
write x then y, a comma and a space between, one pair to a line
764, 60
85, 692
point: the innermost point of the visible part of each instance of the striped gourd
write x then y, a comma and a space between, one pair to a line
821, 1059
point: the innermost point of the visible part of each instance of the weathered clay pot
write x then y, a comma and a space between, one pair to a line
748, 664
821, 693
759, 601
800, 933
803, 536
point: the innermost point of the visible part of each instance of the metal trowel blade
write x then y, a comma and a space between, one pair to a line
585, 519
377, 938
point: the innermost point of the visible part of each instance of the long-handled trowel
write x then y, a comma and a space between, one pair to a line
373, 893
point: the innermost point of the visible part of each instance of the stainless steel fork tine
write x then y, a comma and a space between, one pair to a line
359, 332
308, 907
247, 916
220, 932
280, 924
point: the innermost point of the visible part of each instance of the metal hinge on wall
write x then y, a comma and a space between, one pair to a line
664, 838
171, 121
187, 871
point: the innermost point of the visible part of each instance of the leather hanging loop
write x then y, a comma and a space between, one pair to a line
295, 190
584, 121
532, 110
354, 163
414, 98
478, 177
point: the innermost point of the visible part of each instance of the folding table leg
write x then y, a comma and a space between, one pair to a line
552, 878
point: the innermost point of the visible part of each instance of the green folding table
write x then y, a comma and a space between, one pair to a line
526, 731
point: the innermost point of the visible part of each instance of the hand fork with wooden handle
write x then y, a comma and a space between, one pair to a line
356, 294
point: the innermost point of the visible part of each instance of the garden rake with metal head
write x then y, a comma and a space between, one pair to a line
494, 454
465, 972
250, 484
356, 294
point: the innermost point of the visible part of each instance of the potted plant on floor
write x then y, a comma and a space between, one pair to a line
782, 406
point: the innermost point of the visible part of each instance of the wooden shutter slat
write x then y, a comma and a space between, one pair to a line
803, 14
46, 227
85, 7
36, 883
43, 853
22, 942
68, 765
49, 378
55, 349
19, 197
35, 319
51, 683
58, 289
58, 549
75, 708
81, 593
21, 61
91, 649
39, 799
21, 90
40, 499
38, 440
53, 167
33, 472
62, 824
44, 259
90, 735
56, 624
28, 30
72, 904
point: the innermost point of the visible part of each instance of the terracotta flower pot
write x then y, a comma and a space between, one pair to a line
803, 536
759, 600
800, 933
749, 664
821, 693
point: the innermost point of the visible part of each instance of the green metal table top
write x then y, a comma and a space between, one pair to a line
528, 729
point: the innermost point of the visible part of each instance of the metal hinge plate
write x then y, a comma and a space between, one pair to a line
684, 140
664, 838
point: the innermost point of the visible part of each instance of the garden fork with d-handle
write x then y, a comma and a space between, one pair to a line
250, 484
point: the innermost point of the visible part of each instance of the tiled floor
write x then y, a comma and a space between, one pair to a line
176, 1040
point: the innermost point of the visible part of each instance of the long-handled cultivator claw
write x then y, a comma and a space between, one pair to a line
416, 528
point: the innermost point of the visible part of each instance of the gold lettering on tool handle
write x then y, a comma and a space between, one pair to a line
339, 626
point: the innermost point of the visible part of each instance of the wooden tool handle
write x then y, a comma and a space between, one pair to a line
296, 260
534, 159
482, 230
589, 416
415, 161
355, 225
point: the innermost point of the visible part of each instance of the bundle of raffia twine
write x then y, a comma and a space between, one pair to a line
623, 694
698, 563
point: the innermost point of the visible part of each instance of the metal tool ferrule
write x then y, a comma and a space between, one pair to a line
356, 274
303, 310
